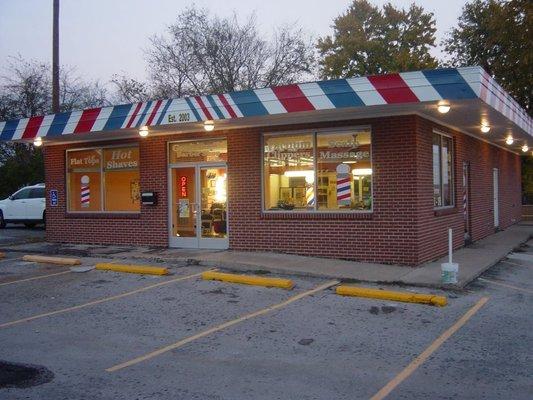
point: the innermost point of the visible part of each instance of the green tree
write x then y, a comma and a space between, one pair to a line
25, 91
368, 40
496, 34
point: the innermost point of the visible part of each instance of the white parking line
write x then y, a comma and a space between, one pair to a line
418, 361
220, 327
521, 256
34, 278
10, 259
506, 285
516, 264
95, 302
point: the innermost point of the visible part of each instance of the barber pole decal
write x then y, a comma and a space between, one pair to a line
343, 185
465, 196
410, 87
85, 192
310, 195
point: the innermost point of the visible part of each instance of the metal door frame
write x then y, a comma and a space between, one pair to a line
196, 242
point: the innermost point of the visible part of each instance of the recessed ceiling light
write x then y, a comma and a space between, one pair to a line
485, 128
209, 125
143, 132
509, 140
525, 148
443, 108
38, 142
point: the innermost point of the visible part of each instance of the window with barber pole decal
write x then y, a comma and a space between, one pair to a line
103, 180
318, 171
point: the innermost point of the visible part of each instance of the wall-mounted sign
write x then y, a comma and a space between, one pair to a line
54, 198
179, 118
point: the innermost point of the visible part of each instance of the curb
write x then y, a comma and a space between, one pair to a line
52, 260
421, 298
132, 269
248, 280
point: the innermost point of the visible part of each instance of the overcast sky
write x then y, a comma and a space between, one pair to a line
103, 37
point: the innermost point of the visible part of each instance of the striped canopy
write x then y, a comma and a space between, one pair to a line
469, 83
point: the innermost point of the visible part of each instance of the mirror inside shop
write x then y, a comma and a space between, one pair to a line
318, 171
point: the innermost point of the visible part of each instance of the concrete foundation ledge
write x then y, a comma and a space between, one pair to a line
52, 260
132, 269
248, 279
422, 298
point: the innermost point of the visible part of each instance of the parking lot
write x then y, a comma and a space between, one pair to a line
19, 234
108, 335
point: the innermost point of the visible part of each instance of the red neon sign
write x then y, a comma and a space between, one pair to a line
183, 186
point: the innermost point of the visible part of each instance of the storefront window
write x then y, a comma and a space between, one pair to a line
341, 180
289, 172
121, 179
442, 171
103, 180
344, 171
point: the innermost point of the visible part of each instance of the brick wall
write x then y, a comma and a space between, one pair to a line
403, 227
147, 228
482, 157
388, 235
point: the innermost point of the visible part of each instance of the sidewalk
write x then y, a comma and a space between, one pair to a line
473, 260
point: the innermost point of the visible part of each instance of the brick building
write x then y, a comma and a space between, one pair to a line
372, 169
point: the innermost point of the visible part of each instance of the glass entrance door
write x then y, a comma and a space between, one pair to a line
199, 206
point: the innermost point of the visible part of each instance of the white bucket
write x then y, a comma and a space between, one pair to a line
449, 272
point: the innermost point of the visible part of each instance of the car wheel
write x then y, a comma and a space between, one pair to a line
2, 221
29, 225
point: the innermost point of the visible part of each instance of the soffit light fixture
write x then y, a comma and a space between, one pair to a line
443, 108
143, 132
38, 142
485, 128
209, 125
509, 140
525, 148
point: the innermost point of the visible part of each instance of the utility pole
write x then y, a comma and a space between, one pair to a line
55, 59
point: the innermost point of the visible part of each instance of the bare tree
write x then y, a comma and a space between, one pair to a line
208, 54
129, 90
25, 91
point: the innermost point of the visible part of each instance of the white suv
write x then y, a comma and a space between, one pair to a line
26, 206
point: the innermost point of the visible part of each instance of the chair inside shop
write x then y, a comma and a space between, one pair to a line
214, 220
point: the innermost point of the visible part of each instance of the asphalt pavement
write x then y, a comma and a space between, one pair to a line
14, 234
109, 335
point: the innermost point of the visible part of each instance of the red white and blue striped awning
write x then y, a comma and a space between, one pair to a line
470, 91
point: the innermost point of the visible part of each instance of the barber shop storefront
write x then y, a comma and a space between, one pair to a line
372, 169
